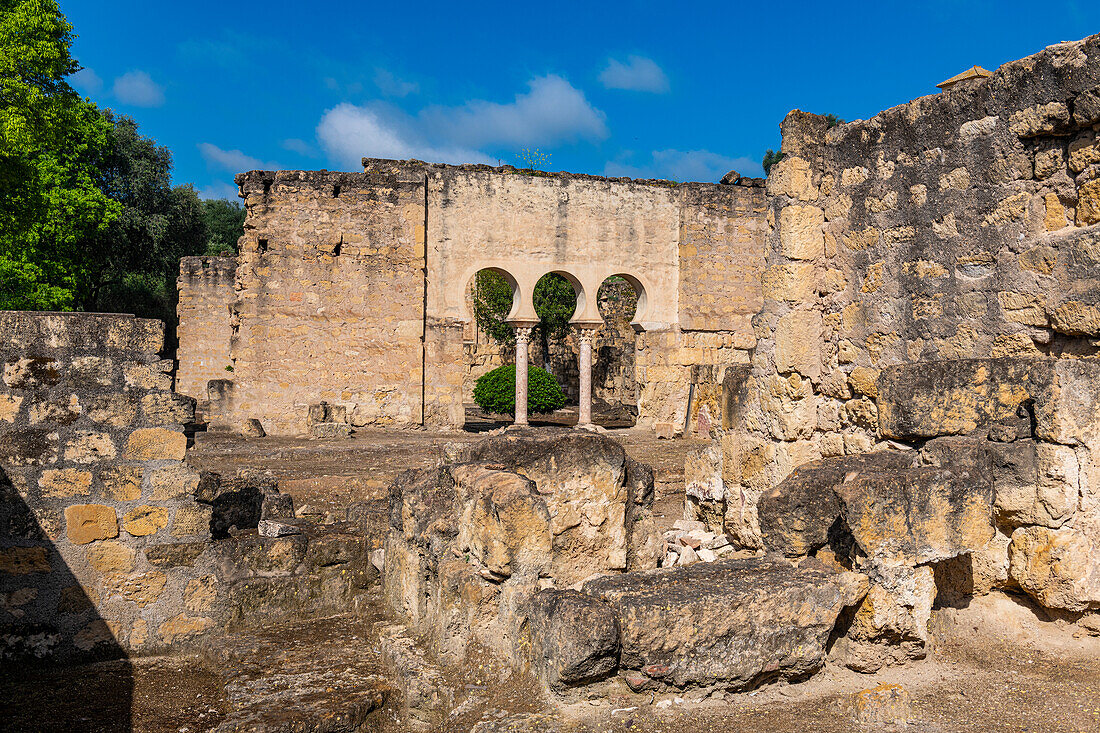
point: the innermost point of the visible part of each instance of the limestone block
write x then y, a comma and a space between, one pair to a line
145, 520
191, 520
111, 559
150, 444
1041, 119
800, 232
930, 399
167, 408
790, 281
1059, 568
919, 515
9, 407
891, 624
65, 482
200, 593
798, 343
1084, 150
1088, 203
1076, 318
183, 626
123, 483
1086, 107
24, 560
86, 523
1068, 411
726, 623
117, 410
792, 177
505, 524
569, 638
144, 589
172, 482
885, 704
90, 447
1034, 483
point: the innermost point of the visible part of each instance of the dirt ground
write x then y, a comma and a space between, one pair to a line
330, 475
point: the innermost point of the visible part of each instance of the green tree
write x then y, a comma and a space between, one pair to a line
492, 303
555, 303
132, 264
51, 144
771, 158
224, 221
832, 120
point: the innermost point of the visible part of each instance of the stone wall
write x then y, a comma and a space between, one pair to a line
206, 296
958, 225
93, 481
109, 544
330, 298
351, 288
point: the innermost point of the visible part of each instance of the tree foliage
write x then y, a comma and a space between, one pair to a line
89, 218
224, 225
771, 158
139, 251
52, 143
495, 391
492, 303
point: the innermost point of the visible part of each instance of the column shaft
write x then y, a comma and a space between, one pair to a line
584, 336
523, 337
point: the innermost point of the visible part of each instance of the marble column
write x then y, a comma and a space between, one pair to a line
584, 337
523, 338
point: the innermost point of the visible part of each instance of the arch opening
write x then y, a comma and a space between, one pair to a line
621, 304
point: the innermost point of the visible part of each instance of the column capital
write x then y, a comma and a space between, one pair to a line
586, 330
523, 333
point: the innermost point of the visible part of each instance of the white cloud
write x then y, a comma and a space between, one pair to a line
552, 111
138, 89
86, 81
233, 161
638, 74
349, 133
299, 146
685, 165
219, 190
391, 86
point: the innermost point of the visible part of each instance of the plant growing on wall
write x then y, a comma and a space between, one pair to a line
533, 158
495, 392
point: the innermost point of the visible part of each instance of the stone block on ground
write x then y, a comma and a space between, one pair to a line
569, 638
727, 624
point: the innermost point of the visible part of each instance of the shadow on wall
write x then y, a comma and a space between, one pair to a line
43, 663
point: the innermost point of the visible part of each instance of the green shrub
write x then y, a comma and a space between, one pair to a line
495, 392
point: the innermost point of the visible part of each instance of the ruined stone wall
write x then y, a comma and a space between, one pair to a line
109, 544
958, 225
351, 288
206, 296
330, 298
93, 490
720, 256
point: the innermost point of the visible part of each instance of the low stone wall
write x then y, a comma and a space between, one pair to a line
109, 544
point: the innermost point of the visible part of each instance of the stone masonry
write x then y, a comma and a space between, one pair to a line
350, 288
109, 543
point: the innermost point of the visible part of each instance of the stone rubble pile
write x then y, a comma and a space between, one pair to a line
690, 541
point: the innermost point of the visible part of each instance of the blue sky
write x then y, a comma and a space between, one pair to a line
648, 89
